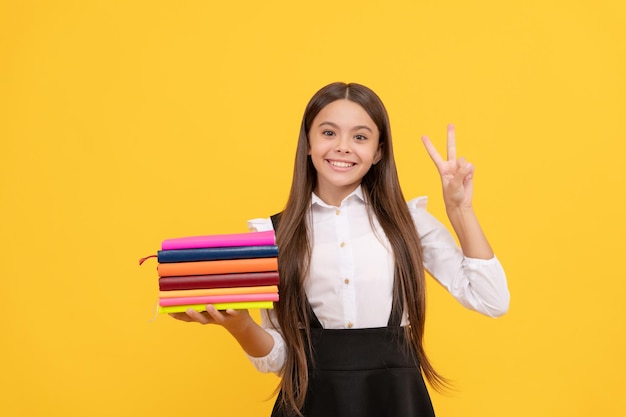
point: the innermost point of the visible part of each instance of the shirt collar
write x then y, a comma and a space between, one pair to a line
357, 193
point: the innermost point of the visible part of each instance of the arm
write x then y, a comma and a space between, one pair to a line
456, 179
263, 343
477, 284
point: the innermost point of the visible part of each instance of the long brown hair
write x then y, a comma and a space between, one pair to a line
381, 188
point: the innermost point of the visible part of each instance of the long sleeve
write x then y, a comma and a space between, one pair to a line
273, 361
477, 284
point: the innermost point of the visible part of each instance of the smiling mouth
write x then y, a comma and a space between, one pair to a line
340, 164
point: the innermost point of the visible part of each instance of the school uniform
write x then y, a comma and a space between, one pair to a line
361, 366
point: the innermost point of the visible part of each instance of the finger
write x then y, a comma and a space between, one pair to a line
198, 316
432, 152
464, 173
235, 313
451, 143
181, 316
468, 169
468, 184
216, 315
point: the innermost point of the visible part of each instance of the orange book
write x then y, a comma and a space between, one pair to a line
219, 291
232, 266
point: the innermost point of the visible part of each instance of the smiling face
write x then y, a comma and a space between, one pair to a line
343, 145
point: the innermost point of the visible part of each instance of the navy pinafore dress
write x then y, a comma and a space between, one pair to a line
362, 373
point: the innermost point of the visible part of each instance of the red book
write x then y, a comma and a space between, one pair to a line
218, 281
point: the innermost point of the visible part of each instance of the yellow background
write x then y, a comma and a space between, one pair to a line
123, 123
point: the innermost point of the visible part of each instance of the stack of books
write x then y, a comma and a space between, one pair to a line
228, 271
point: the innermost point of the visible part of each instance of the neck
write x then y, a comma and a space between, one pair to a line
335, 196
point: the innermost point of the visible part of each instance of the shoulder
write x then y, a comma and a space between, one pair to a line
418, 203
425, 222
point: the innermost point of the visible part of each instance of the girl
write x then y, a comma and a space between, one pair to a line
346, 335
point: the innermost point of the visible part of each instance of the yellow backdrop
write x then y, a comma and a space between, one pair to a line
123, 123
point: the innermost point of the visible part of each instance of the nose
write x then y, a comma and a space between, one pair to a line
343, 145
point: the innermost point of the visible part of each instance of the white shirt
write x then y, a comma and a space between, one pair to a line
350, 282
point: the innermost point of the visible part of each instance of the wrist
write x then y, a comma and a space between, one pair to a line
458, 210
239, 327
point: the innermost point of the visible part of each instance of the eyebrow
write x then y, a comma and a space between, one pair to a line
337, 127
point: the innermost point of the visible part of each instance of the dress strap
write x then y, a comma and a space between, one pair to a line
275, 218
314, 322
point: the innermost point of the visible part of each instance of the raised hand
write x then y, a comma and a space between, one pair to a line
456, 174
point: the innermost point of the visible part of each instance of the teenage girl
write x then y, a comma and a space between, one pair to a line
346, 335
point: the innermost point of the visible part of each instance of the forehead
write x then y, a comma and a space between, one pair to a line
344, 113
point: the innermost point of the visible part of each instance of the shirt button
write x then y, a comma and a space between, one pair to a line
346, 281
350, 324
337, 212
342, 244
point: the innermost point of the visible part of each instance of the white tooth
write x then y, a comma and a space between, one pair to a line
341, 164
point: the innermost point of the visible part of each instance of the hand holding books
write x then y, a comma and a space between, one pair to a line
228, 271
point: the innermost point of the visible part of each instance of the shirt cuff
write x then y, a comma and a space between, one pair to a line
480, 262
273, 361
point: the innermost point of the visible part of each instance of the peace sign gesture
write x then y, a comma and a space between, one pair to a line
456, 174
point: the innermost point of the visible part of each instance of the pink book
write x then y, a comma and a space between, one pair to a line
218, 241
214, 299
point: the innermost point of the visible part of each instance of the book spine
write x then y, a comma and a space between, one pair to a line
211, 254
227, 240
218, 281
216, 299
218, 267
220, 306
219, 291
